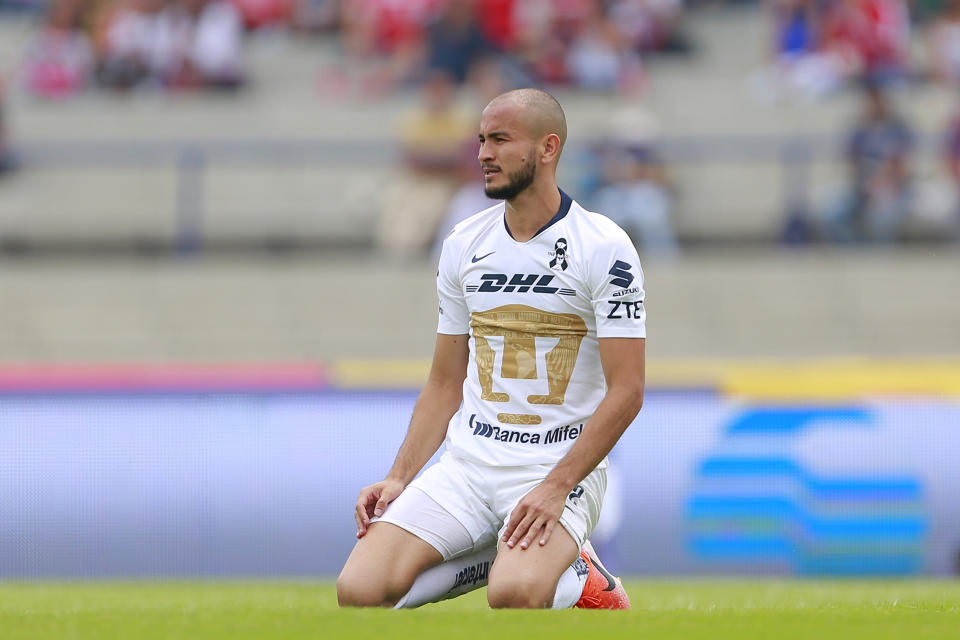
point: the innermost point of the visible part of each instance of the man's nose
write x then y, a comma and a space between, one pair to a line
484, 153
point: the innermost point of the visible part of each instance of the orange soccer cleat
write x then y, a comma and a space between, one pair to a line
602, 589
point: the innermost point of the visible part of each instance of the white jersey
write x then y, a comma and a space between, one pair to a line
534, 311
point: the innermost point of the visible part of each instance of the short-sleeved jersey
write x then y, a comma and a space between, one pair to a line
534, 312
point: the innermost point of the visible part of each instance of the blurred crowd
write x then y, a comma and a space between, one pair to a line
439, 184
591, 44
122, 44
878, 198
884, 195
818, 46
445, 48
386, 44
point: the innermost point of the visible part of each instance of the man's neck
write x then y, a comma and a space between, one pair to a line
531, 210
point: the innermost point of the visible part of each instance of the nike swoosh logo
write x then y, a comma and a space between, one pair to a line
611, 581
476, 259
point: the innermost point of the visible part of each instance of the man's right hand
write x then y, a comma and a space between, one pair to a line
373, 501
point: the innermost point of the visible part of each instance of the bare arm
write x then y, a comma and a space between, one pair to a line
438, 401
623, 361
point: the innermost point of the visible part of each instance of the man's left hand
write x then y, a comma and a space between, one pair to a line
537, 513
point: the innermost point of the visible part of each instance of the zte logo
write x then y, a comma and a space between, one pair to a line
621, 274
519, 282
631, 310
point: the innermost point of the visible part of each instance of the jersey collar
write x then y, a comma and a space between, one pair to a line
565, 202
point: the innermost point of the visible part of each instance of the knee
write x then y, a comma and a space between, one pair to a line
518, 593
353, 592
357, 593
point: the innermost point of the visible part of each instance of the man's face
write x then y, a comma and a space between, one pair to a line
508, 155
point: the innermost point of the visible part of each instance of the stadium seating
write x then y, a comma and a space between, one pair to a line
335, 307
753, 305
736, 191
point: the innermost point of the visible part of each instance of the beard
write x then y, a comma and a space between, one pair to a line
517, 181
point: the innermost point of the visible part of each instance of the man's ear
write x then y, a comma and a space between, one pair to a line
550, 147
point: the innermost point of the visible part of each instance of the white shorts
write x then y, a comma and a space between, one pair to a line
458, 506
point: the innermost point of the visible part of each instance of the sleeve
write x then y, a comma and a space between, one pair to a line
454, 317
616, 284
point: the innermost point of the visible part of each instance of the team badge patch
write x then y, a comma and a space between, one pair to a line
559, 253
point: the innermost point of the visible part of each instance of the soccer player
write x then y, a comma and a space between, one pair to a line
538, 370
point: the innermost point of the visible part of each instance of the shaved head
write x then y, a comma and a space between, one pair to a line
540, 112
521, 137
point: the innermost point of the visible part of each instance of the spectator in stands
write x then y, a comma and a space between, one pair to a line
257, 14
637, 196
794, 33
386, 27
943, 45
867, 38
130, 45
383, 41
432, 138
180, 44
588, 43
650, 25
801, 67
875, 206
631, 186
59, 61
454, 42
600, 57
820, 47
796, 27
540, 46
498, 21
210, 52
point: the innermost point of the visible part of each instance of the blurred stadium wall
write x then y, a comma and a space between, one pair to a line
179, 398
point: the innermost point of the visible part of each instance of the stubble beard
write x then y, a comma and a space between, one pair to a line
518, 182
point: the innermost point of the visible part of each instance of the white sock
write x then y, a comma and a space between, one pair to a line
570, 586
450, 579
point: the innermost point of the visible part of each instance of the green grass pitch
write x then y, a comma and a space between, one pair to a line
709, 609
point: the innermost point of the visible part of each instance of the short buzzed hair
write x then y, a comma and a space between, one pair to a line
542, 112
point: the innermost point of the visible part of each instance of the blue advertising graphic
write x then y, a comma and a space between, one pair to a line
248, 483
755, 501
